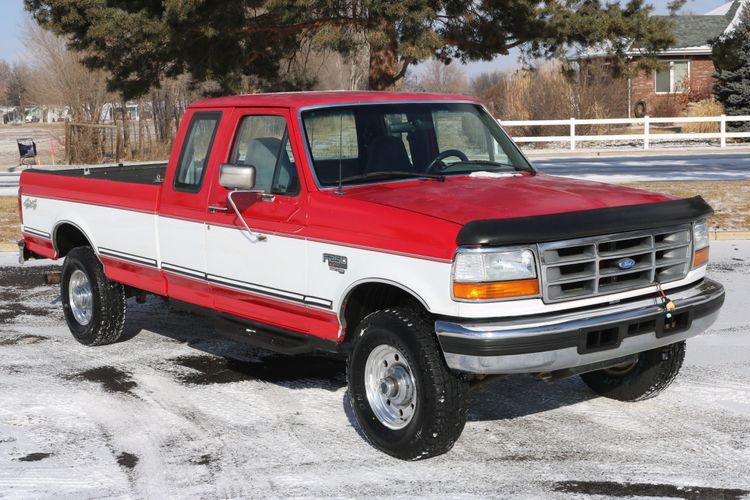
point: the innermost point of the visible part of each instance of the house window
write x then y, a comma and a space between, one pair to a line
673, 78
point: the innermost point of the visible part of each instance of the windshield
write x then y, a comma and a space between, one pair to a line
373, 143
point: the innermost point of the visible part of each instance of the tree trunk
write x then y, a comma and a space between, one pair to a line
384, 70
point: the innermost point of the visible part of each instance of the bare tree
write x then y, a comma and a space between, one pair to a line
444, 78
483, 83
59, 78
319, 65
14, 84
5, 70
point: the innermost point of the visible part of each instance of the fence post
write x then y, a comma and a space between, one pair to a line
645, 132
572, 134
723, 130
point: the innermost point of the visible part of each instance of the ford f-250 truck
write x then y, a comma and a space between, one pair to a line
406, 232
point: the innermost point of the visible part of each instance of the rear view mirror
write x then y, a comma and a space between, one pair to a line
240, 177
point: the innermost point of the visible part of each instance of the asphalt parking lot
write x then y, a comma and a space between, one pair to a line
175, 412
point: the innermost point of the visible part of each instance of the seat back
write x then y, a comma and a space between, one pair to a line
387, 153
263, 153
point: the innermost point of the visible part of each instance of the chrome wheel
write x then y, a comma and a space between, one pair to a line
81, 297
390, 387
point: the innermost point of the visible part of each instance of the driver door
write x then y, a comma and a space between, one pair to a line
261, 279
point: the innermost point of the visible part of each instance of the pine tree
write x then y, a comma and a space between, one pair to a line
731, 56
140, 41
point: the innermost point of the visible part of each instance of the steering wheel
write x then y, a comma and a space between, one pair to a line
437, 163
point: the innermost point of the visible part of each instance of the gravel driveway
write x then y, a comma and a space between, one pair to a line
172, 412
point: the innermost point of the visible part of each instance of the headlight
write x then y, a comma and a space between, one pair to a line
700, 243
488, 275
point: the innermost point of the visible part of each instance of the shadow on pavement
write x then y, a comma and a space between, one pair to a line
219, 361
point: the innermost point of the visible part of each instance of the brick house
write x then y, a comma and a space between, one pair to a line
688, 75
688, 72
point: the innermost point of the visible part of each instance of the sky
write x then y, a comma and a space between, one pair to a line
12, 14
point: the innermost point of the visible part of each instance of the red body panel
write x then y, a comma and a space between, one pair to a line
296, 100
465, 199
139, 197
40, 246
138, 276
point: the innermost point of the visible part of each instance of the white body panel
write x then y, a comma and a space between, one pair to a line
126, 231
182, 245
275, 265
290, 264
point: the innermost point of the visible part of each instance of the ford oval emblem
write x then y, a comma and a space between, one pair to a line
625, 263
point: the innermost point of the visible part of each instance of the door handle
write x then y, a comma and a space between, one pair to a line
212, 209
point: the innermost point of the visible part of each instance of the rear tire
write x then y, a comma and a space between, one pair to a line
654, 371
94, 307
407, 401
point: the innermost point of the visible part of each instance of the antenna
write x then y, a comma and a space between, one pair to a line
340, 190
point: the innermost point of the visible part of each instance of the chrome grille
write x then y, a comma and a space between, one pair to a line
587, 267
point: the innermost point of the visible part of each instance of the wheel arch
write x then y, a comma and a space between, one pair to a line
68, 235
368, 295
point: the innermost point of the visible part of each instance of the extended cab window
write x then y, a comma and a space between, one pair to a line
195, 151
263, 142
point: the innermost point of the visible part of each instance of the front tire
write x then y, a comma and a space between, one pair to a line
94, 307
654, 371
406, 400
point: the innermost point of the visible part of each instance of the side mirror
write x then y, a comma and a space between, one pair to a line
240, 177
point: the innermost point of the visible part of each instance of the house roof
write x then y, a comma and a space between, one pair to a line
694, 31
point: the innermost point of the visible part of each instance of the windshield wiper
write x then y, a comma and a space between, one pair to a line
393, 175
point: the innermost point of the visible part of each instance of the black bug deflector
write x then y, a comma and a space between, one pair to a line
582, 223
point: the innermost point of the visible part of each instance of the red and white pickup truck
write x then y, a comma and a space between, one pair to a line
406, 232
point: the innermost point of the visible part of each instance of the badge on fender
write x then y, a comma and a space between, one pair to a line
337, 263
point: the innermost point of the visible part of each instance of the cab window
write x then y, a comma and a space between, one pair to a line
195, 151
263, 142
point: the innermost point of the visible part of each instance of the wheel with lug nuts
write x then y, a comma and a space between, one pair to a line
391, 390
94, 306
405, 399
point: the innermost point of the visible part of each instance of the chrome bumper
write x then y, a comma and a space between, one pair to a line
545, 343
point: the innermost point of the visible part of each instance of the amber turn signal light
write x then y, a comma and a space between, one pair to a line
700, 257
496, 290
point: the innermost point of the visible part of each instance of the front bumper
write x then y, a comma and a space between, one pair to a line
587, 336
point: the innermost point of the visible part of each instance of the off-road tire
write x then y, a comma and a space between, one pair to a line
109, 302
441, 401
653, 372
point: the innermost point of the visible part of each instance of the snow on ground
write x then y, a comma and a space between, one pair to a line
173, 412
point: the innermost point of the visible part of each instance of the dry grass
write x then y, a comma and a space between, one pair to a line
707, 107
10, 229
729, 199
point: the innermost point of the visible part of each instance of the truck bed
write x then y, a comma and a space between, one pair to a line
142, 173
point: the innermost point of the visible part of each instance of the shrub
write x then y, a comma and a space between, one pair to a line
706, 107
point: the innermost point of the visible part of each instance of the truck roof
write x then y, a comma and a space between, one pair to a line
317, 98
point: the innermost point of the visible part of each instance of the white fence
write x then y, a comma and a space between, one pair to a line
646, 136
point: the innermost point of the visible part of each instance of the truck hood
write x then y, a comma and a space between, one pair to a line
469, 198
